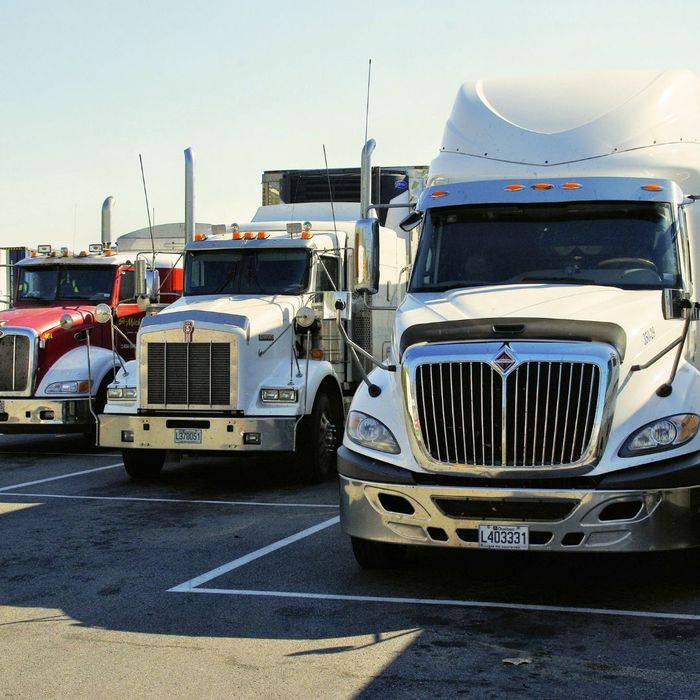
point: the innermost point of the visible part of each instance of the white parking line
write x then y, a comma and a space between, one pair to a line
62, 476
192, 586
177, 500
446, 602
242, 561
9, 453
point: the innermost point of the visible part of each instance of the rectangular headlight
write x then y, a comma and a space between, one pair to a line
278, 395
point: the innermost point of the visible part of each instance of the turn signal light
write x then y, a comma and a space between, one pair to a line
316, 354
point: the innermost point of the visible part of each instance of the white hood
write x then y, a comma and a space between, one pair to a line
638, 313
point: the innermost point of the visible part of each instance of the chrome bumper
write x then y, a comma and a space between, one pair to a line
558, 520
216, 433
44, 415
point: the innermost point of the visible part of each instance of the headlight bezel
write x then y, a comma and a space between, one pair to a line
385, 442
119, 393
686, 427
274, 395
70, 386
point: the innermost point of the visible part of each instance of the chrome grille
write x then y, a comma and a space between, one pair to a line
541, 414
15, 360
185, 374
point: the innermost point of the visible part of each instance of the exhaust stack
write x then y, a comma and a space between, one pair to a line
189, 196
366, 178
107, 222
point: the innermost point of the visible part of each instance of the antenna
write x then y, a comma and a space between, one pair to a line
369, 81
330, 189
148, 211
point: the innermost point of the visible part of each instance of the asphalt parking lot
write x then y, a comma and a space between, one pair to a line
229, 580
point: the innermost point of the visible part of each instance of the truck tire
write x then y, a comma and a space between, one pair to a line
378, 555
318, 440
143, 464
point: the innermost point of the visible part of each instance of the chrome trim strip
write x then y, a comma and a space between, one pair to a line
33, 337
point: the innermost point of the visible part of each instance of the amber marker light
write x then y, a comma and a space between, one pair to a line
236, 235
652, 188
248, 235
306, 235
439, 193
542, 186
316, 354
514, 188
82, 254
199, 236
262, 235
109, 252
571, 186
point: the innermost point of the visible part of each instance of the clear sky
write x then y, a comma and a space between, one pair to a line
87, 85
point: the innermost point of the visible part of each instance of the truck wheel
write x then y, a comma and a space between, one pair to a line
377, 555
143, 464
318, 440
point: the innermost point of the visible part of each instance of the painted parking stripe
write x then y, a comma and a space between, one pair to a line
10, 453
257, 554
445, 602
177, 500
62, 476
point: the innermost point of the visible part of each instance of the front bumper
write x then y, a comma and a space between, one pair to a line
274, 434
41, 415
394, 508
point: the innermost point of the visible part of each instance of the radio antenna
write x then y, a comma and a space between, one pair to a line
330, 190
369, 81
148, 211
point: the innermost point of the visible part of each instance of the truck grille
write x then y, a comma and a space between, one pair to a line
541, 414
185, 374
15, 359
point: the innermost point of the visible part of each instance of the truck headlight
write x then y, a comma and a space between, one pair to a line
278, 395
662, 434
369, 432
80, 386
121, 393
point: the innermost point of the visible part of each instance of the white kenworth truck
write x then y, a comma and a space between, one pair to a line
251, 358
547, 394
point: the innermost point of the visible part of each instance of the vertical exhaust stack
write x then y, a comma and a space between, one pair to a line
107, 222
189, 195
366, 178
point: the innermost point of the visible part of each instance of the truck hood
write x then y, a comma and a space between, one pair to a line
256, 315
45, 318
638, 313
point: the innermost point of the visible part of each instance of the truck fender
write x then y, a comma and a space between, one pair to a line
73, 366
126, 375
321, 373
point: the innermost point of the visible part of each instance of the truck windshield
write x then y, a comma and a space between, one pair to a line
256, 271
65, 283
631, 245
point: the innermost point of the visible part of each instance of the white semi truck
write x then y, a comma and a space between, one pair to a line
251, 359
547, 394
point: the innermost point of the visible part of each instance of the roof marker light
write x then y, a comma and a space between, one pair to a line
236, 235
542, 186
82, 254
34, 253
514, 188
248, 235
439, 193
571, 186
306, 235
652, 188
199, 237
109, 252
262, 235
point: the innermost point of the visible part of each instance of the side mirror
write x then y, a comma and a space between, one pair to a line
674, 304
152, 284
409, 222
367, 256
103, 314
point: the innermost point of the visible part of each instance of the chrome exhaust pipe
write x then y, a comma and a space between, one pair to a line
189, 195
107, 222
366, 178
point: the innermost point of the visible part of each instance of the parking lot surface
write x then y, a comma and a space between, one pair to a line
225, 579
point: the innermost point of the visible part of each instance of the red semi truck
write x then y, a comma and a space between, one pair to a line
55, 360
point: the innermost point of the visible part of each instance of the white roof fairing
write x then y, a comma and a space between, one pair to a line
565, 118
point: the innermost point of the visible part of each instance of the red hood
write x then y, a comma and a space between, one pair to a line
44, 318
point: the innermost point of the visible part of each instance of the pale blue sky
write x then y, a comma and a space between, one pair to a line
85, 86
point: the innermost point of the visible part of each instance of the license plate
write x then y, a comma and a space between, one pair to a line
503, 537
193, 436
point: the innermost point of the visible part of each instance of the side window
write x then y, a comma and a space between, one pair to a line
126, 286
332, 264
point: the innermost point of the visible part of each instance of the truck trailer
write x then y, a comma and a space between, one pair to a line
546, 394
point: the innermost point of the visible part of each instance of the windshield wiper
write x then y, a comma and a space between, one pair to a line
565, 280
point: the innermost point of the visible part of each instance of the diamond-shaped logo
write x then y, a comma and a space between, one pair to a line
504, 361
